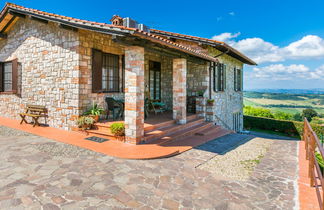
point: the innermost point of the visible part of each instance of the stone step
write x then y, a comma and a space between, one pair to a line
167, 123
159, 133
148, 128
183, 133
192, 117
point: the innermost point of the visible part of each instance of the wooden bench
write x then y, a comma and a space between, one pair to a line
35, 112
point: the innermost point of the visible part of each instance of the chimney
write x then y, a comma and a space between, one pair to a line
130, 23
116, 20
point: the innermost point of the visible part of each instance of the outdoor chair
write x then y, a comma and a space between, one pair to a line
155, 106
114, 106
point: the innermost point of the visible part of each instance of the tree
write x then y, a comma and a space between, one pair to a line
282, 116
309, 114
298, 117
258, 112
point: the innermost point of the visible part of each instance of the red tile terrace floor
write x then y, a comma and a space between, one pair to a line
112, 147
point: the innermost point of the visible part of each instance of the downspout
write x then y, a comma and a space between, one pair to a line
210, 78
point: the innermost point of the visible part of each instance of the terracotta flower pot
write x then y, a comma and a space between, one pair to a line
95, 118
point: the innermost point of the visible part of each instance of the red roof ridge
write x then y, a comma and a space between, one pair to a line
143, 34
197, 37
64, 17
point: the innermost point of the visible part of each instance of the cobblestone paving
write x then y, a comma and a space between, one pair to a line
38, 172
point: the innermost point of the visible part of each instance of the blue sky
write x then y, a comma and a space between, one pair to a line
285, 37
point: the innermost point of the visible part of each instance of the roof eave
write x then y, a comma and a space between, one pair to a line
72, 23
212, 43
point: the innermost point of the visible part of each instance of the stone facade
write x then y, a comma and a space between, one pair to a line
55, 70
229, 102
134, 94
180, 90
103, 42
49, 71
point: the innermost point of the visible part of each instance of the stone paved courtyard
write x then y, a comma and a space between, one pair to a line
37, 172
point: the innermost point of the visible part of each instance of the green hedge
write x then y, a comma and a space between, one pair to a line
291, 128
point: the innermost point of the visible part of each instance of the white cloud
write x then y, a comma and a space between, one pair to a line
258, 49
318, 73
226, 37
277, 72
231, 13
308, 47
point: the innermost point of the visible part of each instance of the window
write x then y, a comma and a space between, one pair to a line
105, 72
110, 73
237, 121
155, 80
8, 76
237, 79
219, 77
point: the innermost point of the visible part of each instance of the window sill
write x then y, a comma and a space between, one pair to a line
8, 93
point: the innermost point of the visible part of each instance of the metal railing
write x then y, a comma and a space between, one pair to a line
314, 148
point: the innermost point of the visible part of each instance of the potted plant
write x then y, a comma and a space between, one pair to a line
210, 102
85, 122
95, 112
118, 129
200, 93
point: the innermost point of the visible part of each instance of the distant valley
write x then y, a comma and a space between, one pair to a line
291, 101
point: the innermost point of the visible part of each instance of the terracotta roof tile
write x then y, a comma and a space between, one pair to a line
205, 40
135, 32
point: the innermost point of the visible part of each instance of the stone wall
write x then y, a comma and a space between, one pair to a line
228, 102
89, 41
166, 76
48, 73
55, 71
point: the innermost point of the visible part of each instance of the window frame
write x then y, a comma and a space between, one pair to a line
238, 80
152, 67
103, 90
14, 77
219, 77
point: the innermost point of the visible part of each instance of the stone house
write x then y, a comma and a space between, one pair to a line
67, 64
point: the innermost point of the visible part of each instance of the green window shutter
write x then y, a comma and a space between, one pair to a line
220, 78
224, 77
240, 80
235, 79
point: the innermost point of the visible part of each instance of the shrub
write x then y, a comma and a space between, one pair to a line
297, 117
258, 112
309, 114
85, 121
94, 110
320, 160
118, 129
291, 128
283, 116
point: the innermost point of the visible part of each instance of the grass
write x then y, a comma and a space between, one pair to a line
303, 101
250, 164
